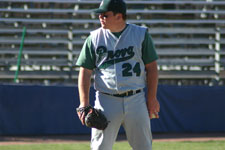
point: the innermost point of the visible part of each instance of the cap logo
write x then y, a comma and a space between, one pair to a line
101, 4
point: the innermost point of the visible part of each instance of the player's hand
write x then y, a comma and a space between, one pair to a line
153, 108
81, 115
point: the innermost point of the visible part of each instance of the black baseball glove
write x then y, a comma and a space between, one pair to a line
92, 118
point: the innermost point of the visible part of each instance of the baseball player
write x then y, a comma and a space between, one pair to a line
122, 58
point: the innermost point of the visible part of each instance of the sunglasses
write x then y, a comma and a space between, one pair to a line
105, 16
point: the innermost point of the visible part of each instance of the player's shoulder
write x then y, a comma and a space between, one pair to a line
136, 31
137, 27
97, 31
97, 34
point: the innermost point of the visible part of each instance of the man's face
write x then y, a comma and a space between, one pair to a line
107, 20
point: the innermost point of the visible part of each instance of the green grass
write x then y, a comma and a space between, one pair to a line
209, 145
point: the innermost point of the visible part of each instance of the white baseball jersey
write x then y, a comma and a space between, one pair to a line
119, 64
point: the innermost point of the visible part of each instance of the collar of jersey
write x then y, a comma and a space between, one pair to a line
117, 34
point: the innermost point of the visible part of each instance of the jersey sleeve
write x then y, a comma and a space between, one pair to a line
148, 49
86, 58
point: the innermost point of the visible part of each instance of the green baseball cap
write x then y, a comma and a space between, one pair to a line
118, 6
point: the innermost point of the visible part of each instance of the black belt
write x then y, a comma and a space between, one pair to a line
125, 94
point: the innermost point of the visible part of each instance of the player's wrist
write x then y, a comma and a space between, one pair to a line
84, 104
152, 98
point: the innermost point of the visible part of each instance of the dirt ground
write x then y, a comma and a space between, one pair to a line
6, 140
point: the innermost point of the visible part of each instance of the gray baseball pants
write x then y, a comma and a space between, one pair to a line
130, 112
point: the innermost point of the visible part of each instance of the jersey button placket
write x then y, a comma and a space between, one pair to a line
115, 69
